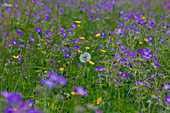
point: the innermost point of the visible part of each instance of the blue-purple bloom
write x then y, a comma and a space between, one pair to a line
99, 69
166, 86
48, 83
80, 90
38, 30
14, 42
167, 99
147, 53
61, 80
21, 45
19, 32
97, 111
12, 98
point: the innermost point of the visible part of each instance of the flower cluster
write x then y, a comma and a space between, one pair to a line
17, 105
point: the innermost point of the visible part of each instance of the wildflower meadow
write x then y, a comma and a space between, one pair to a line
84, 56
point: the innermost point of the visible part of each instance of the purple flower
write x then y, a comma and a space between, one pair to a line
31, 104
12, 98
117, 57
61, 11
14, 42
167, 99
39, 30
166, 86
80, 90
20, 59
147, 53
48, 33
67, 55
73, 26
61, 80
70, 31
21, 45
52, 75
100, 69
23, 105
19, 32
158, 65
98, 111
121, 12
119, 31
103, 34
127, 74
46, 18
48, 83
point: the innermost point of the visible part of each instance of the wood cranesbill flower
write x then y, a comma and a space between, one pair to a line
166, 86
80, 90
147, 53
167, 99
14, 42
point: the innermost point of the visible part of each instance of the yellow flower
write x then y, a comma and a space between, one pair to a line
113, 44
15, 56
146, 39
140, 42
45, 43
61, 69
143, 17
98, 34
80, 51
78, 22
38, 44
78, 25
59, 61
43, 52
73, 93
102, 50
99, 100
90, 62
111, 38
82, 38
45, 71
87, 47
92, 51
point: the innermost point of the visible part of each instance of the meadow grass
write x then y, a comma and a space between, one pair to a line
45, 46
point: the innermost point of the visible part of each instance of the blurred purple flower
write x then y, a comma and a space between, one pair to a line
166, 86
99, 69
147, 53
48, 83
14, 42
19, 32
12, 98
80, 90
73, 26
98, 111
21, 45
167, 99
38, 30
61, 80
48, 33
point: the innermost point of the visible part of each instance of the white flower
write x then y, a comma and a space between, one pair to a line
85, 57
8, 5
